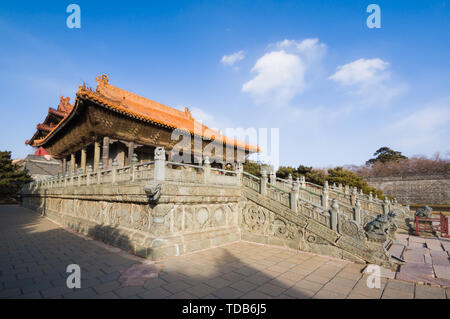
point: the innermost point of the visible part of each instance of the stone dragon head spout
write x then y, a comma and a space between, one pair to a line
153, 192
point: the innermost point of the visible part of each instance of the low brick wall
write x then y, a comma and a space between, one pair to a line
419, 189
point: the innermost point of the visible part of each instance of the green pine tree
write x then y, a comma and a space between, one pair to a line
384, 155
254, 168
12, 178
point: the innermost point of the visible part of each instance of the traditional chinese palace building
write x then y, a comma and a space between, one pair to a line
109, 125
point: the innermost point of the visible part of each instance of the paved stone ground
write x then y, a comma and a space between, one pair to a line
427, 259
34, 254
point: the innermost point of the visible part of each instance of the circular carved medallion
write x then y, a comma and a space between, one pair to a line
202, 215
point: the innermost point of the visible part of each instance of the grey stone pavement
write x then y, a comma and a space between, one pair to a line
34, 254
427, 259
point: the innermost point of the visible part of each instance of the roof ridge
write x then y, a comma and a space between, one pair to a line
103, 86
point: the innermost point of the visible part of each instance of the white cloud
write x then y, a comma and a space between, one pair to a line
311, 48
280, 76
362, 71
369, 78
233, 58
282, 73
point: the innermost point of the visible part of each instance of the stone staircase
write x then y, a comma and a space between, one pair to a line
326, 220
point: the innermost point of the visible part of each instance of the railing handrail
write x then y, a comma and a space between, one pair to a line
308, 191
315, 185
185, 164
223, 170
282, 180
277, 188
251, 175
144, 164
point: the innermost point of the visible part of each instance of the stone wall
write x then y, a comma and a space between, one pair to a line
187, 217
420, 189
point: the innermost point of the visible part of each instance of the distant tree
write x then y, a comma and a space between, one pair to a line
316, 177
339, 175
384, 155
253, 167
303, 170
311, 175
285, 171
413, 166
12, 177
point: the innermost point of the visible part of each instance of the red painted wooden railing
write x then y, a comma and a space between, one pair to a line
441, 226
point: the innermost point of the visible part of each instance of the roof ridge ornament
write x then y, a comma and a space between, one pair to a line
188, 112
64, 104
102, 80
85, 88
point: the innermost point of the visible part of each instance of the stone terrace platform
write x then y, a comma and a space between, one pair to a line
34, 254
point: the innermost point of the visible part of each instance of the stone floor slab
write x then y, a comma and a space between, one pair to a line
33, 260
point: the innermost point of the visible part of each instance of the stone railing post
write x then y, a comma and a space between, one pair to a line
71, 177
115, 164
334, 212
99, 172
134, 161
206, 169
394, 202
80, 172
293, 196
263, 181
290, 180
88, 177
160, 164
358, 211
239, 171
354, 195
272, 177
386, 206
324, 196
66, 178
303, 181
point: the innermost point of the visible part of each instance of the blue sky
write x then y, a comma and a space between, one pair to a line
336, 89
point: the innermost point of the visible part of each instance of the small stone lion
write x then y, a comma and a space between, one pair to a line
425, 211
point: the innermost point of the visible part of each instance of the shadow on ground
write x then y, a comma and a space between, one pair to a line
34, 254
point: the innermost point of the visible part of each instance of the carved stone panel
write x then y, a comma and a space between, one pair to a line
202, 216
254, 218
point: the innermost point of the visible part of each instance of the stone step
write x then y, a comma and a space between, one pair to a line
396, 250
